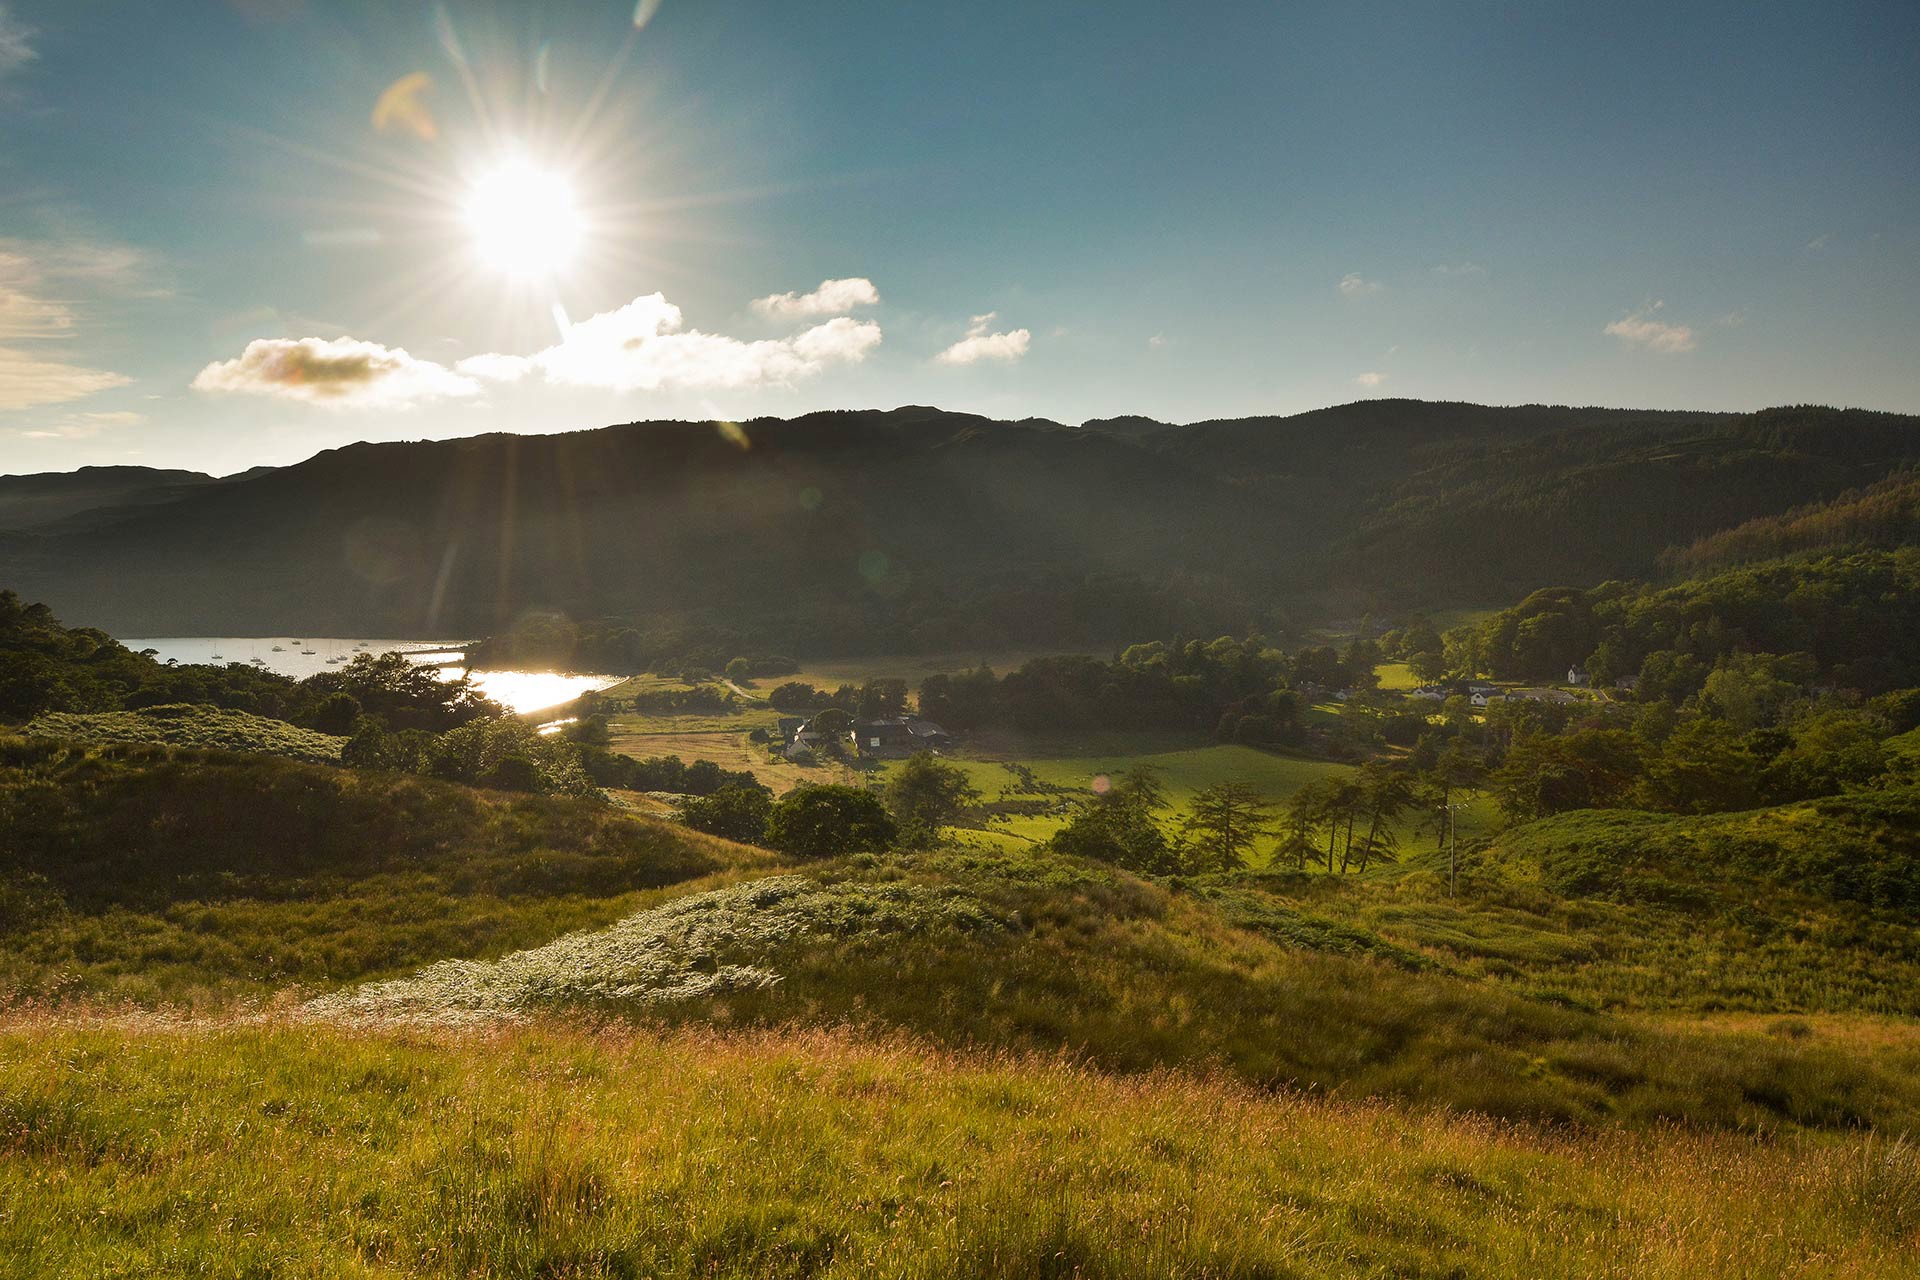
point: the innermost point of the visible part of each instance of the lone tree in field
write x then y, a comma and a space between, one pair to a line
1227, 819
926, 794
825, 821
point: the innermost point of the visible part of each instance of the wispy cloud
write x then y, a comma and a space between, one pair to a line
78, 426
1457, 269
981, 343
1820, 242
16, 51
1641, 329
1353, 285
338, 372
28, 382
832, 298
1371, 378
43, 288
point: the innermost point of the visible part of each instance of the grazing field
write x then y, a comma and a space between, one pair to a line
148, 1149
731, 750
1396, 676
1044, 778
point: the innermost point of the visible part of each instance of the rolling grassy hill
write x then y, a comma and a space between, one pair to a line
162, 874
250, 999
136, 871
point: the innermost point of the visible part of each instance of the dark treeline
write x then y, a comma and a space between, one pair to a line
925, 613
1850, 621
1238, 689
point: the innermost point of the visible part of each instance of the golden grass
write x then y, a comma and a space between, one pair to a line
206, 1149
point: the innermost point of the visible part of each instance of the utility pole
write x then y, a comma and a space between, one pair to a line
1453, 859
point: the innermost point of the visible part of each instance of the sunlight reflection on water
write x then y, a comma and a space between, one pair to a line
516, 690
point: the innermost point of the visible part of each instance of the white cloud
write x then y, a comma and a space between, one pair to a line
1157, 341
1353, 286
15, 51
78, 426
27, 382
1456, 269
832, 298
339, 372
1640, 329
1371, 378
1820, 241
644, 346
494, 367
982, 344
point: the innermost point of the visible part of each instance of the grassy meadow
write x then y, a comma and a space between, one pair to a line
142, 1149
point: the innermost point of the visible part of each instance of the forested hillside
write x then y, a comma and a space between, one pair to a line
1885, 514
920, 530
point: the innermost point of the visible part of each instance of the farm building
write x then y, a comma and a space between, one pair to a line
898, 736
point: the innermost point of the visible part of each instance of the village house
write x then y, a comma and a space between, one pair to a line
1577, 676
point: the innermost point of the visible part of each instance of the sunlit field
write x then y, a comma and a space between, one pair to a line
138, 1149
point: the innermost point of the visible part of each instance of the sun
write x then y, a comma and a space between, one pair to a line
524, 219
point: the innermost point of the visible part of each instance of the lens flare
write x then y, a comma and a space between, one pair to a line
524, 219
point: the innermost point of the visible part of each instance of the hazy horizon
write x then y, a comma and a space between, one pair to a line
240, 233
187, 465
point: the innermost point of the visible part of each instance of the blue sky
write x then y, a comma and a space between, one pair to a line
217, 250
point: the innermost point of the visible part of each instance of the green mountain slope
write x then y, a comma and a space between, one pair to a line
920, 529
1883, 515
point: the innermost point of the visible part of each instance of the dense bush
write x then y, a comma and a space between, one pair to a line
734, 812
828, 821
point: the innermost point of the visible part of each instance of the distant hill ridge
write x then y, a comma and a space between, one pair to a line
918, 528
50, 497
